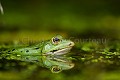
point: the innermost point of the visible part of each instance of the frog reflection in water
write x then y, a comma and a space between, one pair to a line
48, 54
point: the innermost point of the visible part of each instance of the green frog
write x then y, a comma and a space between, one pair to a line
49, 54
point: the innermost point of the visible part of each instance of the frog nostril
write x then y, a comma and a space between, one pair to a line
71, 44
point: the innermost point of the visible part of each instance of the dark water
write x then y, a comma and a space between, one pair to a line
92, 61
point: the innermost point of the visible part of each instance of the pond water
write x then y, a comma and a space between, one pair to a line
86, 61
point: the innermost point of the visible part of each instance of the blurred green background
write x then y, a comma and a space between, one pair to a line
34, 20
75, 18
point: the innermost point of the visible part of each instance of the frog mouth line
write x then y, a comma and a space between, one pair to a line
60, 51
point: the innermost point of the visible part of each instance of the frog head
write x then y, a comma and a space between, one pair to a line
57, 46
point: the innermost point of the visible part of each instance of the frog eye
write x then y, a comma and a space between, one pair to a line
55, 40
55, 69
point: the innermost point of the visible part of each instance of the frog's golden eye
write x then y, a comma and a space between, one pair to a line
56, 40
56, 69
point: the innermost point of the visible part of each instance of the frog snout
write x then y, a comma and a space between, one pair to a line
71, 44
